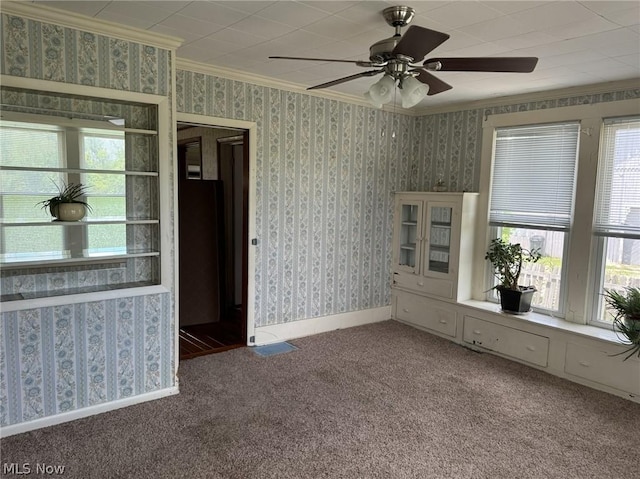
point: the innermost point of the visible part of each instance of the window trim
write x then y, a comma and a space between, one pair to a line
580, 273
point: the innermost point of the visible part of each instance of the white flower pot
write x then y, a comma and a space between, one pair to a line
70, 211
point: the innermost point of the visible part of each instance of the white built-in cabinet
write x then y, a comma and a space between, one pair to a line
432, 264
433, 242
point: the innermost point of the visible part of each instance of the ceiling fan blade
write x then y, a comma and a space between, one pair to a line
369, 73
435, 84
483, 64
418, 41
357, 62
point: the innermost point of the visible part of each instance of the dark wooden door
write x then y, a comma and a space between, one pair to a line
199, 241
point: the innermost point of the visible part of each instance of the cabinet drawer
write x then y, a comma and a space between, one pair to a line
597, 364
428, 314
508, 341
422, 284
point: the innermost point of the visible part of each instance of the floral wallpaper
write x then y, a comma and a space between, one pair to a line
450, 144
61, 358
51, 52
326, 173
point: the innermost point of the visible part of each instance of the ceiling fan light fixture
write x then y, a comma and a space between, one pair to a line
412, 92
367, 96
382, 91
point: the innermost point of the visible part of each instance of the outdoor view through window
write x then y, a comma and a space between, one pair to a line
37, 159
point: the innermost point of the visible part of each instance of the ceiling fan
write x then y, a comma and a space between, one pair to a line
400, 58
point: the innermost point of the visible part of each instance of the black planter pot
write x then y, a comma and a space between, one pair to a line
513, 301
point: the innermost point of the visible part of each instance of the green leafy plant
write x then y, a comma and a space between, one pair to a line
67, 193
507, 259
625, 307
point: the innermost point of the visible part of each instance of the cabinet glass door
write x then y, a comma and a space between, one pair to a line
408, 254
439, 244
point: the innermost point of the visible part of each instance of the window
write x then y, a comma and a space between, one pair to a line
617, 210
107, 195
532, 194
43, 148
60, 155
580, 165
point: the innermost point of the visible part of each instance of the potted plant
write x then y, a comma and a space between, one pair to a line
626, 317
67, 205
507, 259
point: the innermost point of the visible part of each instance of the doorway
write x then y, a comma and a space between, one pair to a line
213, 187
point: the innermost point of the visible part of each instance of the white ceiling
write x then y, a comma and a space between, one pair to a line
577, 42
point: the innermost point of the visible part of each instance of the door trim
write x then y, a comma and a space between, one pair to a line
252, 128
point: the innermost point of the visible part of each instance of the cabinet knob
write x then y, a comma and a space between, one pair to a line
586, 364
405, 310
420, 283
443, 321
477, 331
531, 348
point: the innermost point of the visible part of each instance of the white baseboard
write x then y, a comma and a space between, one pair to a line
277, 333
85, 412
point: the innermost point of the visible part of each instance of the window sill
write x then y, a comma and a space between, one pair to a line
558, 324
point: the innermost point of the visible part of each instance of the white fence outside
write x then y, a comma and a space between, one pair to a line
547, 281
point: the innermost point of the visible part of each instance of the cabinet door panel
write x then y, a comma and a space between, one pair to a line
421, 284
439, 243
428, 314
598, 365
502, 339
408, 232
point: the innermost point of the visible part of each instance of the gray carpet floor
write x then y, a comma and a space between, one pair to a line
377, 401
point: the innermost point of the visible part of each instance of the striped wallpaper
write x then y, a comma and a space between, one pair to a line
326, 173
59, 359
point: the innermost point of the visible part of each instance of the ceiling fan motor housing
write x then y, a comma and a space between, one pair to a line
398, 17
380, 51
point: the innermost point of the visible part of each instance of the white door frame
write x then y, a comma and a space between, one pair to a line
252, 127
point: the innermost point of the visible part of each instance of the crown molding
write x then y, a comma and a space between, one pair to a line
591, 89
269, 82
82, 22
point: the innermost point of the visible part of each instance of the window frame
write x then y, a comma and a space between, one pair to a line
494, 229
580, 274
599, 249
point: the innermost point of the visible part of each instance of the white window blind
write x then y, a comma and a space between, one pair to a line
618, 191
534, 176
